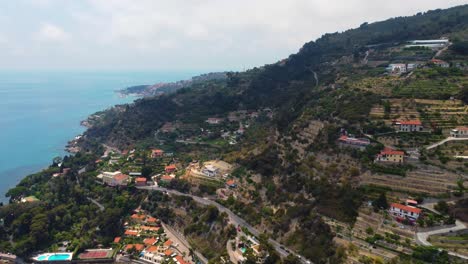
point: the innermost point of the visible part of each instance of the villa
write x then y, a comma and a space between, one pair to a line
140, 181
170, 168
409, 126
156, 153
459, 132
114, 178
210, 170
404, 211
390, 155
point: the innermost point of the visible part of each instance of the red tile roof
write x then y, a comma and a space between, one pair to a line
406, 208
411, 122
152, 249
389, 151
138, 247
117, 239
168, 252
131, 233
140, 179
181, 260
138, 216
462, 128
168, 243
150, 241
171, 167
120, 177
149, 228
151, 220
166, 178
230, 182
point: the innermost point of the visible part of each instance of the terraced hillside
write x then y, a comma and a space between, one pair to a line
432, 182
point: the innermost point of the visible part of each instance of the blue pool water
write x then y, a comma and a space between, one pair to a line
41, 111
58, 257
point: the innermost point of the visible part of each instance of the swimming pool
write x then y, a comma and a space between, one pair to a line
54, 257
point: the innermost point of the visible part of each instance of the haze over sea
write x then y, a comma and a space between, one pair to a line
41, 111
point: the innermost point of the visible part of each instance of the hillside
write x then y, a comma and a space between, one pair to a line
271, 144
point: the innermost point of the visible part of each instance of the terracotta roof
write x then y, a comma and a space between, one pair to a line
140, 179
138, 247
152, 249
168, 243
230, 182
168, 252
138, 216
131, 233
171, 167
150, 241
157, 151
389, 151
120, 177
411, 122
462, 128
437, 61
406, 208
149, 228
180, 260
151, 220
166, 178
117, 239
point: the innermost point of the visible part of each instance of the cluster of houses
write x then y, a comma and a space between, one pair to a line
145, 237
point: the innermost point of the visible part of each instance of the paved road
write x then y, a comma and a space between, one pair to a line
421, 237
444, 141
171, 232
281, 249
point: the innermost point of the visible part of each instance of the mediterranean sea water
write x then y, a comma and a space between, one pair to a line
41, 111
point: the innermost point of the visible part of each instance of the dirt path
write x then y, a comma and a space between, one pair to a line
444, 141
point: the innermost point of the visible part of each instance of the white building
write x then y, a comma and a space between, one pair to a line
210, 170
409, 126
397, 68
459, 132
404, 211
114, 178
429, 43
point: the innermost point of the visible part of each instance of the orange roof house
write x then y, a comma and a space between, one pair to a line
117, 239
170, 168
138, 247
166, 178
156, 153
152, 249
168, 243
180, 260
138, 217
131, 233
140, 181
150, 241
168, 252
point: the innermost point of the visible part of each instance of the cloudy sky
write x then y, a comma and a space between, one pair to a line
177, 34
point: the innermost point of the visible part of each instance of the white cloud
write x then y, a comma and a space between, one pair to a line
52, 33
188, 34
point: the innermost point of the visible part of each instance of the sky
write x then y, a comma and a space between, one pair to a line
177, 35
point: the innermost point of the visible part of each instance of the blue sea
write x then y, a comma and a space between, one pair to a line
41, 111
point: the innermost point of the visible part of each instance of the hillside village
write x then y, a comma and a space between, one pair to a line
386, 189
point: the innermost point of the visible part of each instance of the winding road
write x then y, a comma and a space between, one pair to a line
444, 141
421, 237
281, 249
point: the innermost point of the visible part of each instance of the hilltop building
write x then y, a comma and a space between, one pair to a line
440, 63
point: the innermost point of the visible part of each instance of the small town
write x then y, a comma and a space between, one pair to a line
349, 151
